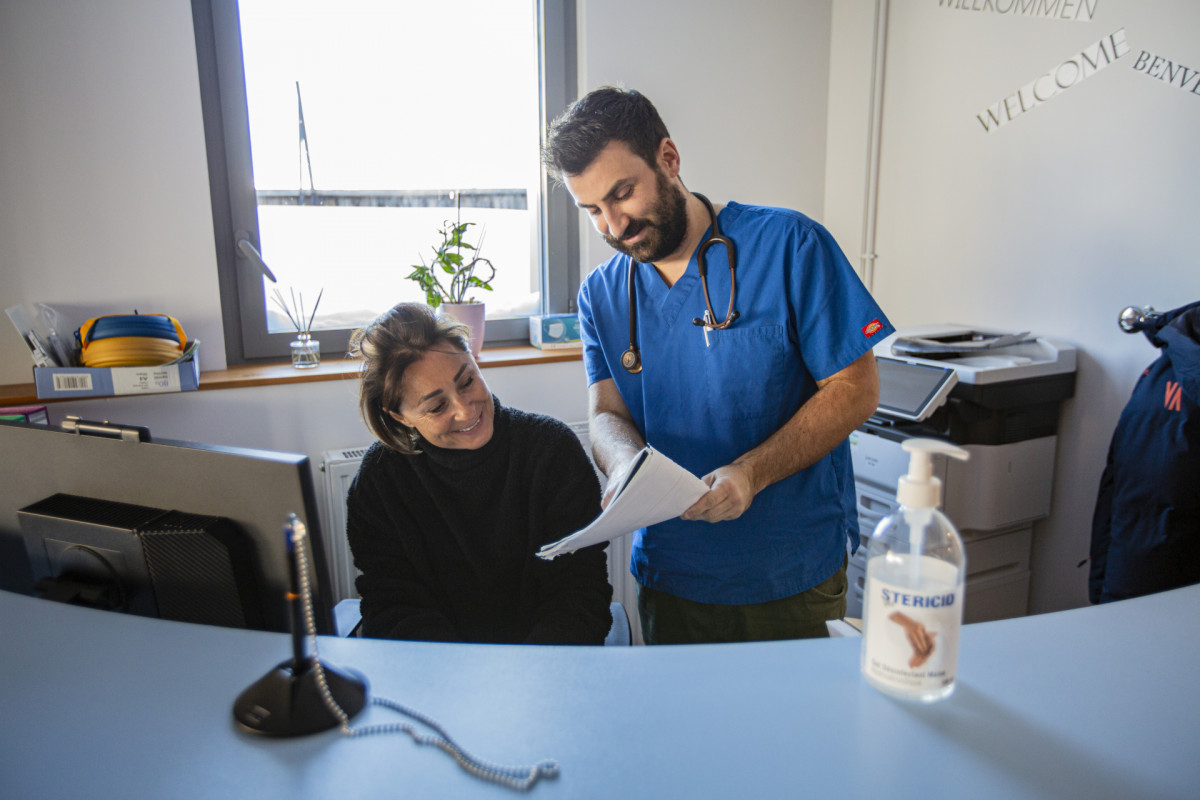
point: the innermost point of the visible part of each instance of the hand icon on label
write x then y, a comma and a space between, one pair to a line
919, 637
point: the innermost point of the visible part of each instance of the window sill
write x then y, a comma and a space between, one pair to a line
330, 369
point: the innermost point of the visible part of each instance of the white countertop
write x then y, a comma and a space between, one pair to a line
1099, 702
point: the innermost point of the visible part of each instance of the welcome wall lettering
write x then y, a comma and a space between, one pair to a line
1077, 10
1069, 73
1176, 75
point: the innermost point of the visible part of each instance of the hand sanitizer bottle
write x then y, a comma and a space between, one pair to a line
913, 603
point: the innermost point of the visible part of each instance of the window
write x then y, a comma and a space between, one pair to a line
341, 138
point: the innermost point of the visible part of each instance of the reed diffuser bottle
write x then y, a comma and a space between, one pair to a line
306, 351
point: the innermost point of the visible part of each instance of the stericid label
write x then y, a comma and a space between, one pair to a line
911, 635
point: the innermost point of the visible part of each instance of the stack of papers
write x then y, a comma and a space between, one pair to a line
655, 489
951, 345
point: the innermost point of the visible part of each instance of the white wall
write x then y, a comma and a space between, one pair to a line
848, 124
741, 86
1051, 223
104, 204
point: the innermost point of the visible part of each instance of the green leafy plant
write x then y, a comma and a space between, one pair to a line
451, 273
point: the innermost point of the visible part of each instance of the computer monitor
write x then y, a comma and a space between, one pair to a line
238, 498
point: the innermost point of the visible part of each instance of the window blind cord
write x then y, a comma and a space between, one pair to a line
520, 778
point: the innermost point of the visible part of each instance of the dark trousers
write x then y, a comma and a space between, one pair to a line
667, 619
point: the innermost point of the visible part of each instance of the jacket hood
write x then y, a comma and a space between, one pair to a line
1180, 340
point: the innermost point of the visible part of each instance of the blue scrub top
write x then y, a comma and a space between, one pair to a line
804, 315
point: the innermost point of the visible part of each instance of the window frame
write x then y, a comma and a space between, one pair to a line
234, 202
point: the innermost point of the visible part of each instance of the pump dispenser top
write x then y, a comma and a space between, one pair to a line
920, 488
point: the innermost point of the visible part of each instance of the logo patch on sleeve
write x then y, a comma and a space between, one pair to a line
873, 327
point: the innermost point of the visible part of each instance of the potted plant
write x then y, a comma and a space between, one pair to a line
452, 274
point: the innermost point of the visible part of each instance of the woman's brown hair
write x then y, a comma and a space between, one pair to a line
390, 344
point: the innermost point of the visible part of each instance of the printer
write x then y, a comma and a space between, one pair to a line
996, 394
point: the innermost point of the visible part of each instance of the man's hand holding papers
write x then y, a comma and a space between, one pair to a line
653, 490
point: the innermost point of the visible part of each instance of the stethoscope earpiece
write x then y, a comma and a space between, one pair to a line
732, 318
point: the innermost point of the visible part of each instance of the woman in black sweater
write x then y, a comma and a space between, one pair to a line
450, 505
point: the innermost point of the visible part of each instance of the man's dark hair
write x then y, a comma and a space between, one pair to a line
604, 115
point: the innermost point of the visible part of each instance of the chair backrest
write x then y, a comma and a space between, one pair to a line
618, 634
347, 617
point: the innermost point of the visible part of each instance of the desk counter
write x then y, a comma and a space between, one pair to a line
1092, 703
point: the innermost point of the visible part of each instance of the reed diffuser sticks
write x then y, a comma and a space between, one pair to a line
295, 312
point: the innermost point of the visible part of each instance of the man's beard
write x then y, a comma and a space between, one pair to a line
667, 225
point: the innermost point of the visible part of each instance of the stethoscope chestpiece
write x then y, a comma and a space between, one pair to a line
631, 360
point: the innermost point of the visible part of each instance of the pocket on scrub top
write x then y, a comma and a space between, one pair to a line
745, 363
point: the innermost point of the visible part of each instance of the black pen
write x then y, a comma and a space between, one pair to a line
294, 531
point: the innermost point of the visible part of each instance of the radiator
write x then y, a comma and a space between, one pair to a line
339, 468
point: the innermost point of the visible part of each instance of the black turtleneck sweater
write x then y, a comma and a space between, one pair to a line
445, 539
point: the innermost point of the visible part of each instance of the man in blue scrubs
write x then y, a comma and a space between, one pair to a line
760, 409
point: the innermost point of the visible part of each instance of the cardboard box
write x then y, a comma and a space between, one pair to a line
68, 382
554, 331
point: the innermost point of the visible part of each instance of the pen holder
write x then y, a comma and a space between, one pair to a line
306, 352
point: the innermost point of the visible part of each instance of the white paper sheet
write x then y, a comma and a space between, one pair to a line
654, 490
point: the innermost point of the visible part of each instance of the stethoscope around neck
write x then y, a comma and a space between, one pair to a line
631, 359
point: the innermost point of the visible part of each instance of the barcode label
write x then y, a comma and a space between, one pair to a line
68, 382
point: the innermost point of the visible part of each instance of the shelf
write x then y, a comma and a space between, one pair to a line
281, 372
